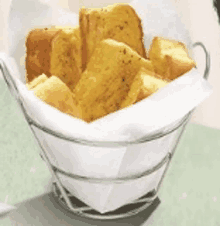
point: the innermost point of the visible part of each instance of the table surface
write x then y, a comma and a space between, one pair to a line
190, 193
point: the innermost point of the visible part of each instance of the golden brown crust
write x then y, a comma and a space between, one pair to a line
83, 26
170, 58
119, 22
66, 56
37, 81
109, 82
134, 92
143, 50
55, 93
150, 84
38, 50
178, 65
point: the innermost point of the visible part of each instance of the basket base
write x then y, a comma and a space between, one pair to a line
127, 210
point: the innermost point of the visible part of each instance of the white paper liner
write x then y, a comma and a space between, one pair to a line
5, 208
164, 108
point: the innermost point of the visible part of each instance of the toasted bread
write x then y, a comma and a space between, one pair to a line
39, 80
163, 52
38, 50
150, 84
119, 22
55, 93
134, 91
108, 79
66, 56
178, 65
166, 44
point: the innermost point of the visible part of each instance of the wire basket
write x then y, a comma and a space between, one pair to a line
68, 200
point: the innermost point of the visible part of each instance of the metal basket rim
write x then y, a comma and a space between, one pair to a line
152, 136
147, 138
123, 179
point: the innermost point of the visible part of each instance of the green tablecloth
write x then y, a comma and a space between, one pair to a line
190, 193
23, 174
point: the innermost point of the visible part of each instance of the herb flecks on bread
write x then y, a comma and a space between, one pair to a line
99, 67
108, 80
119, 22
66, 56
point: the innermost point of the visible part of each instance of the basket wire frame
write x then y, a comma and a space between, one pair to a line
63, 196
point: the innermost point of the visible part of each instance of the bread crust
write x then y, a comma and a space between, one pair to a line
38, 51
151, 83
119, 22
37, 81
83, 25
66, 56
143, 53
170, 58
109, 82
56, 93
